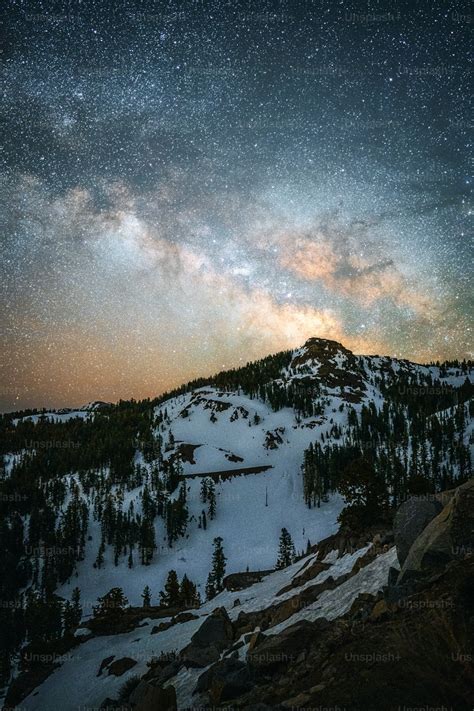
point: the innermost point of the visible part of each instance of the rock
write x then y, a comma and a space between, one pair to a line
236, 602
388, 539
393, 574
410, 520
200, 657
255, 639
317, 688
240, 581
162, 673
161, 627
310, 571
280, 650
449, 536
225, 680
120, 666
216, 629
153, 698
214, 635
105, 663
184, 617
298, 701
234, 648
379, 611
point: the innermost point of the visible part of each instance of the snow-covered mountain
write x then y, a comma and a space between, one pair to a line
247, 432
254, 454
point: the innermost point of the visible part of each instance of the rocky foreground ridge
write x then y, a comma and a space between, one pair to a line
384, 620
409, 644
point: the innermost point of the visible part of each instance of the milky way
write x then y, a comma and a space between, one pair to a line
187, 187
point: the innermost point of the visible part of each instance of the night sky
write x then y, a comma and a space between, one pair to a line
189, 186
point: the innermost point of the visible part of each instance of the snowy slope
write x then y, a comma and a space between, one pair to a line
254, 455
77, 678
222, 431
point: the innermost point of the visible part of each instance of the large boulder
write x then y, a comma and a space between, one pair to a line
449, 536
278, 651
153, 698
410, 520
209, 641
225, 680
120, 666
240, 581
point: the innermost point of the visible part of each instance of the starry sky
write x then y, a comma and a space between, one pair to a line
187, 186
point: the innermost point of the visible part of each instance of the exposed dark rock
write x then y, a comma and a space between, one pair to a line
177, 619
147, 697
213, 636
240, 581
105, 663
279, 651
161, 627
120, 666
225, 680
254, 640
184, 617
310, 571
383, 655
449, 536
234, 648
410, 520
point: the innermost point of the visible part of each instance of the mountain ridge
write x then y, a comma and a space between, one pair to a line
118, 496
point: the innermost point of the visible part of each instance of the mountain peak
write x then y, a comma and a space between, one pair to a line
325, 345
323, 350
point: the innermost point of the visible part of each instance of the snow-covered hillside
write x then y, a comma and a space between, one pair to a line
251, 508
254, 454
78, 678
243, 433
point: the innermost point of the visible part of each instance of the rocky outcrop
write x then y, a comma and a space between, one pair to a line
240, 581
147, 697
414, 651
211, 639
120, 666
276, 652
346, 541
105, 663
410, 520
228, 679
308, 573
176, 620
379, 656
449, 536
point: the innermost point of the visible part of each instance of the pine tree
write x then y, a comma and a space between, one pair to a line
211, 591
286, 551
211, 497
76, 606
99, 561
216, 576
189, 597
203, 490
146, 596
112, 605
170, 597
147, 541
